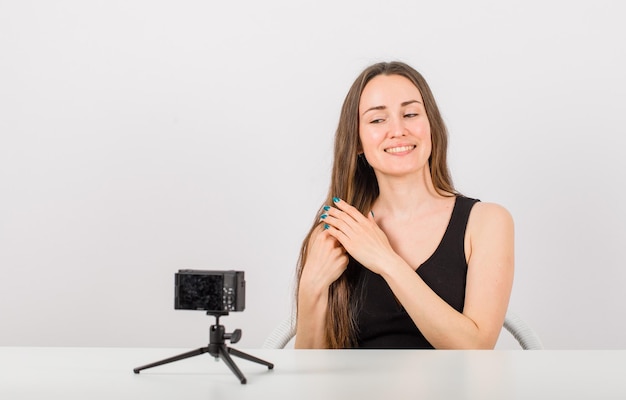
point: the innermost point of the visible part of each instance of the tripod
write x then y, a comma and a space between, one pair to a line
217, 348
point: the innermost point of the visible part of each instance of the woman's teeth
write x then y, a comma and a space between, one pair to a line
399, 149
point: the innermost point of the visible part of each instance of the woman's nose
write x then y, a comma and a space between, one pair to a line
397, 127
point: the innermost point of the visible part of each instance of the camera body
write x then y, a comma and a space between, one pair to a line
210, 291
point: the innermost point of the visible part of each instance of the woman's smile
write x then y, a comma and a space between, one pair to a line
400, 149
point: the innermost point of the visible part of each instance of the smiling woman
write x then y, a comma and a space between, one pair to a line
393, 126
397, 258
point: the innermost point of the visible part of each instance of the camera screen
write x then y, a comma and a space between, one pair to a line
200, 292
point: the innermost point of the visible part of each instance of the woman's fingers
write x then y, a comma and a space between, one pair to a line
358, 234
346, 220
348, 209
327, 259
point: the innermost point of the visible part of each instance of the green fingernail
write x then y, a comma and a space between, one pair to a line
326, 208
372, 213
323, 216
326, 226
335, 199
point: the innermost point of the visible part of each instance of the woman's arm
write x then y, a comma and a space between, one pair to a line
489, 240
325, 262
311, 320
488, 288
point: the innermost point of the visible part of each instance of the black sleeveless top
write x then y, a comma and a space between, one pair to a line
381, 320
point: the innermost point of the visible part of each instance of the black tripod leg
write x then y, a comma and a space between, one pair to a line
248, 357
223, 354
188, 354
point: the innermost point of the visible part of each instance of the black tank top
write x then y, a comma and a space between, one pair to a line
381, 320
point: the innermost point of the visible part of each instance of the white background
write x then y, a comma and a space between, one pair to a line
141, 137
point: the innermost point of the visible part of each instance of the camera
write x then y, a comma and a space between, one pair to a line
211, 291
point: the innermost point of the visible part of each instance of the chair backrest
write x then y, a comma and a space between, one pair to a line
521, 331
282, 334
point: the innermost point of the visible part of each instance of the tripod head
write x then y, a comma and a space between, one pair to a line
218, 334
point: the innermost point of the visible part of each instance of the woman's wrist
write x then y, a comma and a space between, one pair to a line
312, 285
312, 293
391, 266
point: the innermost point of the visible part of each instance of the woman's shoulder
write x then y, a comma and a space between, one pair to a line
486, 215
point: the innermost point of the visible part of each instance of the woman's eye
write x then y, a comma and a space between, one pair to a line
376, 121
410, 115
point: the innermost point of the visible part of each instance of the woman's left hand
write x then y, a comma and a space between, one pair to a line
359, 235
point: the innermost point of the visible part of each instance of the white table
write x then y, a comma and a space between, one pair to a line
107, 373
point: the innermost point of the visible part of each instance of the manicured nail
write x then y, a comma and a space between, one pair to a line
326, 208
323, 216
335, 199
326, 226
372, 212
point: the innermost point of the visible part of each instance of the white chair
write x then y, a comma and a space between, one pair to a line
521, 331
282, 334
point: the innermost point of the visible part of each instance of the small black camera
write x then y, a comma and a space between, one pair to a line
211, 291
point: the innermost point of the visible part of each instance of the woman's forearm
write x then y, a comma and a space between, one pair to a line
443, 326
311, 320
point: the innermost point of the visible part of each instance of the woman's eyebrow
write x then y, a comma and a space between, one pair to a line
406, 103
375, 108
403, 104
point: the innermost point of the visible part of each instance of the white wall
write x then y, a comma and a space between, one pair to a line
141, 137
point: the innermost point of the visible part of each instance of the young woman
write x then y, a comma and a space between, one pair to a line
398, 258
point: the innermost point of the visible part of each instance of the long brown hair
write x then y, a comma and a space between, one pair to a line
354, 181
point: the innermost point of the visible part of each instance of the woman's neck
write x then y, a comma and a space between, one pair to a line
404, 197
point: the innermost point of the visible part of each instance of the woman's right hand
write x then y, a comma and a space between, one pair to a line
326, 261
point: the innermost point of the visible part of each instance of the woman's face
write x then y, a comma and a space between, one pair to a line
393, 126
